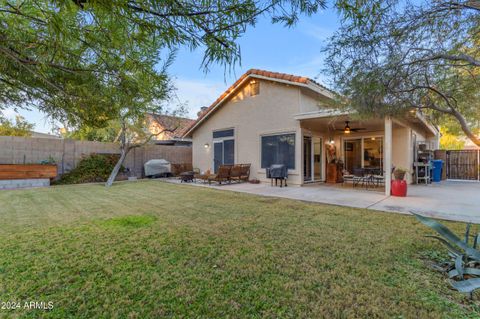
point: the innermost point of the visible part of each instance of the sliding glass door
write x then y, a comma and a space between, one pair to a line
312, 158
364, 152
353, 154
307, 158
223, 153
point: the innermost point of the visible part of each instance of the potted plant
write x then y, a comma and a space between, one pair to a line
399, 173
399, 185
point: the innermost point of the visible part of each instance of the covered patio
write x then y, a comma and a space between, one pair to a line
364, 147
446, 200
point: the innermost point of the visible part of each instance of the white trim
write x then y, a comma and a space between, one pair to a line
321, 114
387, 154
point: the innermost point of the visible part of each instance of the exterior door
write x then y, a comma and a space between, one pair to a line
307, 158
223, 153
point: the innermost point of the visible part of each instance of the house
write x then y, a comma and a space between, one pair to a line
269, 117
43, 135
170, 129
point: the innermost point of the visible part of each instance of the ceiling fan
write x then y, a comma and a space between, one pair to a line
347, 129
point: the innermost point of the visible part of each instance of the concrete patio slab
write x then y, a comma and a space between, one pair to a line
458, 201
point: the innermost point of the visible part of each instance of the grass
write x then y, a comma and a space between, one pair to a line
151, 250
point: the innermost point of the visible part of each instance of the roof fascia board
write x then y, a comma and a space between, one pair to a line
321, 114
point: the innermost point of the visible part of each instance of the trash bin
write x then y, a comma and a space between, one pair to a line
437, 170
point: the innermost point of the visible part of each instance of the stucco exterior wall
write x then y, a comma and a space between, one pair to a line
402, 150
270, 112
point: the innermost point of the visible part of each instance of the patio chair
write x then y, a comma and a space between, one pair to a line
359, 177
379, 178
223, 175
347, 177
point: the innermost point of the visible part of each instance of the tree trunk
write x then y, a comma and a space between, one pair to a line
465, 128
123, 154
117, 167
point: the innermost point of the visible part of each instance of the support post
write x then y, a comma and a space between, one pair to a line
388, 155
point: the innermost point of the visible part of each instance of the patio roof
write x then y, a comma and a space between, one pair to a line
337, 116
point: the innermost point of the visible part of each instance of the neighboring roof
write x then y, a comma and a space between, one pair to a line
44, 135
266, 75
168, 121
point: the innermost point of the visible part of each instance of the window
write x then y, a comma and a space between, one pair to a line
254, 87
278, 149
223, 133
364, 152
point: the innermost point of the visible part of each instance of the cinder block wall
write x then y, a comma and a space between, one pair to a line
67, 153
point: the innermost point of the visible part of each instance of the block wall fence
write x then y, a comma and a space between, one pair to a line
67, 153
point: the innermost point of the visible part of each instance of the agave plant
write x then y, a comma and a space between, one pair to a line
463, 268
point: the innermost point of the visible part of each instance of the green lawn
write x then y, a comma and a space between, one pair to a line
151, 250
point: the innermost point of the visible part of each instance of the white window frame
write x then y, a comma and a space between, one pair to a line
362, 138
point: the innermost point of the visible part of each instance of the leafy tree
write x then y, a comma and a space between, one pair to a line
65, 57
449, 141
88, 62
391, 56
109, 133
18, 128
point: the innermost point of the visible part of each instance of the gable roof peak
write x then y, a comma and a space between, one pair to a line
263, 74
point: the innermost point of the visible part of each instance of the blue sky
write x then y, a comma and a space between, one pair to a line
266, 46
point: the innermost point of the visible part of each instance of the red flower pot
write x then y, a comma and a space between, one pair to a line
399, 188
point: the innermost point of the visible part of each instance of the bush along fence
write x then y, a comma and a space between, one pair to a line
67, 154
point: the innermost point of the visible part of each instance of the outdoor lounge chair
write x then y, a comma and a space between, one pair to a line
223, 175
236, 173
240, 173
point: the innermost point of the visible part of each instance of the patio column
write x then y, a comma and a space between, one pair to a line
387, 155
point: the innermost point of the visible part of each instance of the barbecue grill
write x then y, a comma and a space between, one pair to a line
277, 172
158, 168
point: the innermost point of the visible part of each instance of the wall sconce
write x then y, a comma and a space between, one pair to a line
206, 145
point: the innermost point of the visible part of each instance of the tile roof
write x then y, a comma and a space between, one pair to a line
173, 121
257, 72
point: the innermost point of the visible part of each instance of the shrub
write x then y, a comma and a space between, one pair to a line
94, 168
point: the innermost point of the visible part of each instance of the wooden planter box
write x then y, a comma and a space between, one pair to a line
334, 173
27, 171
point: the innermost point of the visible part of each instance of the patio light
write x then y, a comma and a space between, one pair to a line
206, 145
347, 128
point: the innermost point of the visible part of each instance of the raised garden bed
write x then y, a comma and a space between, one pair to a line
27, 171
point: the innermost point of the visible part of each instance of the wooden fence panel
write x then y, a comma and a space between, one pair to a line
463, 164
